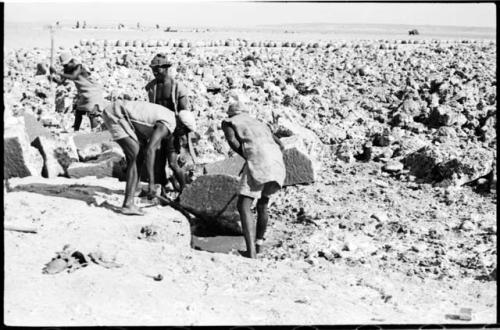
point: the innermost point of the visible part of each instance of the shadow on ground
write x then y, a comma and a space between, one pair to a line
207, 237
204, 235
79, 192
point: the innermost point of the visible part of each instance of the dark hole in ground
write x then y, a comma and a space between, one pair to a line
214, 239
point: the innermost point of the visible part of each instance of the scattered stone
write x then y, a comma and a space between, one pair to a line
337, 134
51, 167
380, 217
90, 152
393, 167
469, 166
309, 141
230, 166
84, 139
299, 167
345, 153
445, 116
422, 162
109, 164
20, 159
467, 225
382, 139
34, 128
149, 233
213, 198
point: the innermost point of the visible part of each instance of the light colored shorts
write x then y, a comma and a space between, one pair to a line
118, 128
248, 187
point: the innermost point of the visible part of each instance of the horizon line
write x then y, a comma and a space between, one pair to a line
129, 21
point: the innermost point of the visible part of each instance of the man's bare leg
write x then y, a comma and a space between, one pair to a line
139, 164
78, 120
131, 149
262, 219
244, 204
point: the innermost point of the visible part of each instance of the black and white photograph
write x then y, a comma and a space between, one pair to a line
249, 163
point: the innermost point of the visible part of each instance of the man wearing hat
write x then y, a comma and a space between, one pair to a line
89, 93
263, 173
139, 128
167, 91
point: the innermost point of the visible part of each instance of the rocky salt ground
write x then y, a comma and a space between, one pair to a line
399, 225
202, 288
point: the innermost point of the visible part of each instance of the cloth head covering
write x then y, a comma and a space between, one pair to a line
65, 58
187, 118
238, 103
159, 60
237, 108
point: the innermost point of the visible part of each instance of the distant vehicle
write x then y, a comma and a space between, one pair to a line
413, 32
169, 29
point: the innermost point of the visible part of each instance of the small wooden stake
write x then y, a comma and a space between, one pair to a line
31, 230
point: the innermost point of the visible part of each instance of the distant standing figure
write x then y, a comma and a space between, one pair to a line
90, 94
263, 173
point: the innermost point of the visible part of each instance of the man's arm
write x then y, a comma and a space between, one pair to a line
231, 138
172, 157
56, 78
278, 142
73, 75
183, 103
150, 90
182, 97
160, 132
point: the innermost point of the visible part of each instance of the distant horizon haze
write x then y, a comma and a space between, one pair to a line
252, 14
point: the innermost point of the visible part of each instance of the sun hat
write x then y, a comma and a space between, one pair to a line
187, 118
160, 60
237, 108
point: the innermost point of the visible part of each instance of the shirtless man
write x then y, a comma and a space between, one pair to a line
167, 91
137, 125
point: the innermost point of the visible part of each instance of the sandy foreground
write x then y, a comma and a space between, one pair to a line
198, 287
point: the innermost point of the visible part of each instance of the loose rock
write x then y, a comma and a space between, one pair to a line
214, 197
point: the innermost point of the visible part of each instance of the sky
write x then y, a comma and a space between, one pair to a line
242, 13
